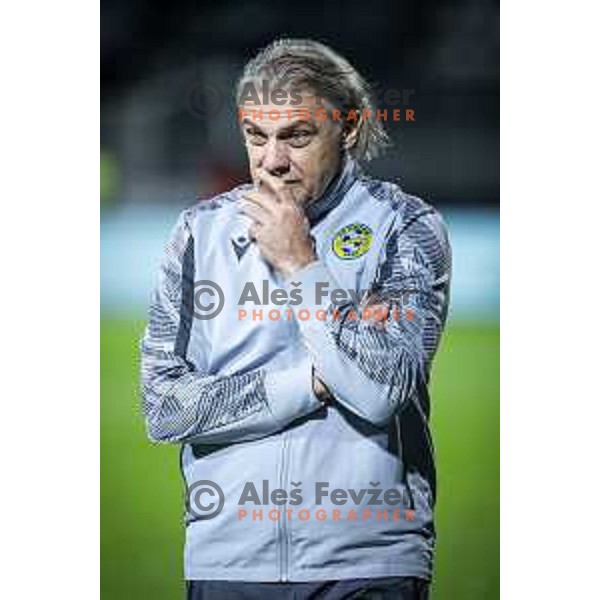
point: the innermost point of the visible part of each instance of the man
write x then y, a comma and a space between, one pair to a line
288, 351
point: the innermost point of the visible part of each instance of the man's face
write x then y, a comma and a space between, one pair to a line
292, 151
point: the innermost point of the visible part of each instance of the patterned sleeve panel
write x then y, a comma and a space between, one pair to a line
179, 402
373, 357
411, 289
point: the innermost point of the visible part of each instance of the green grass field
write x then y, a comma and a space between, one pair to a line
142, 492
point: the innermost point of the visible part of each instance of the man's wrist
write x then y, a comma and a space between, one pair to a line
290, 268
290, 392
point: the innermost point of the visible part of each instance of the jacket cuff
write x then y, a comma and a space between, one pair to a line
290, 392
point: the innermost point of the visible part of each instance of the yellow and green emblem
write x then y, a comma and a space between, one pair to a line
352, 241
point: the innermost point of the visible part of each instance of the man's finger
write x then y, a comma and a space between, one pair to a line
262, 199
253, 230
294, 193
255, 211
281, 191
269, 185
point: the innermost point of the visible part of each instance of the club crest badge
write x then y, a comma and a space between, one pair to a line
352, 241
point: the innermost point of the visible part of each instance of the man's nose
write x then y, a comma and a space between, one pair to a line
276, 160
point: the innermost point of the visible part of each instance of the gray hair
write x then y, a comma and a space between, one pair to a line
306, 63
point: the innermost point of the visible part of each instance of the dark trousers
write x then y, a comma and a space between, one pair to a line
388, 588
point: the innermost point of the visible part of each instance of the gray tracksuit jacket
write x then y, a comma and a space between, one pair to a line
282, 487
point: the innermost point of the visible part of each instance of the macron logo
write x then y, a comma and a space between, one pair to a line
240, 245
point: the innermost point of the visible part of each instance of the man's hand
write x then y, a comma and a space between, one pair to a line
321, 392
280, 228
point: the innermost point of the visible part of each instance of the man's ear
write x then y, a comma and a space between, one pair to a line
350, 137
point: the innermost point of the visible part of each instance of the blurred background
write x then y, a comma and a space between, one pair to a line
169, 136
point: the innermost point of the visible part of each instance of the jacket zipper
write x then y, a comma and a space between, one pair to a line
282, 529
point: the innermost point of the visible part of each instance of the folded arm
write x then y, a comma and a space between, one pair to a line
183, 404
372, 367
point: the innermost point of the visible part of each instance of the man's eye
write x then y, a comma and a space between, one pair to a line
255, 137
300, 138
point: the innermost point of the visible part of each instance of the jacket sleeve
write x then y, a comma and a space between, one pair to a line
180, 402
372, 367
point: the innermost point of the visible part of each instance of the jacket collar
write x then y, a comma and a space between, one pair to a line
334, 193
